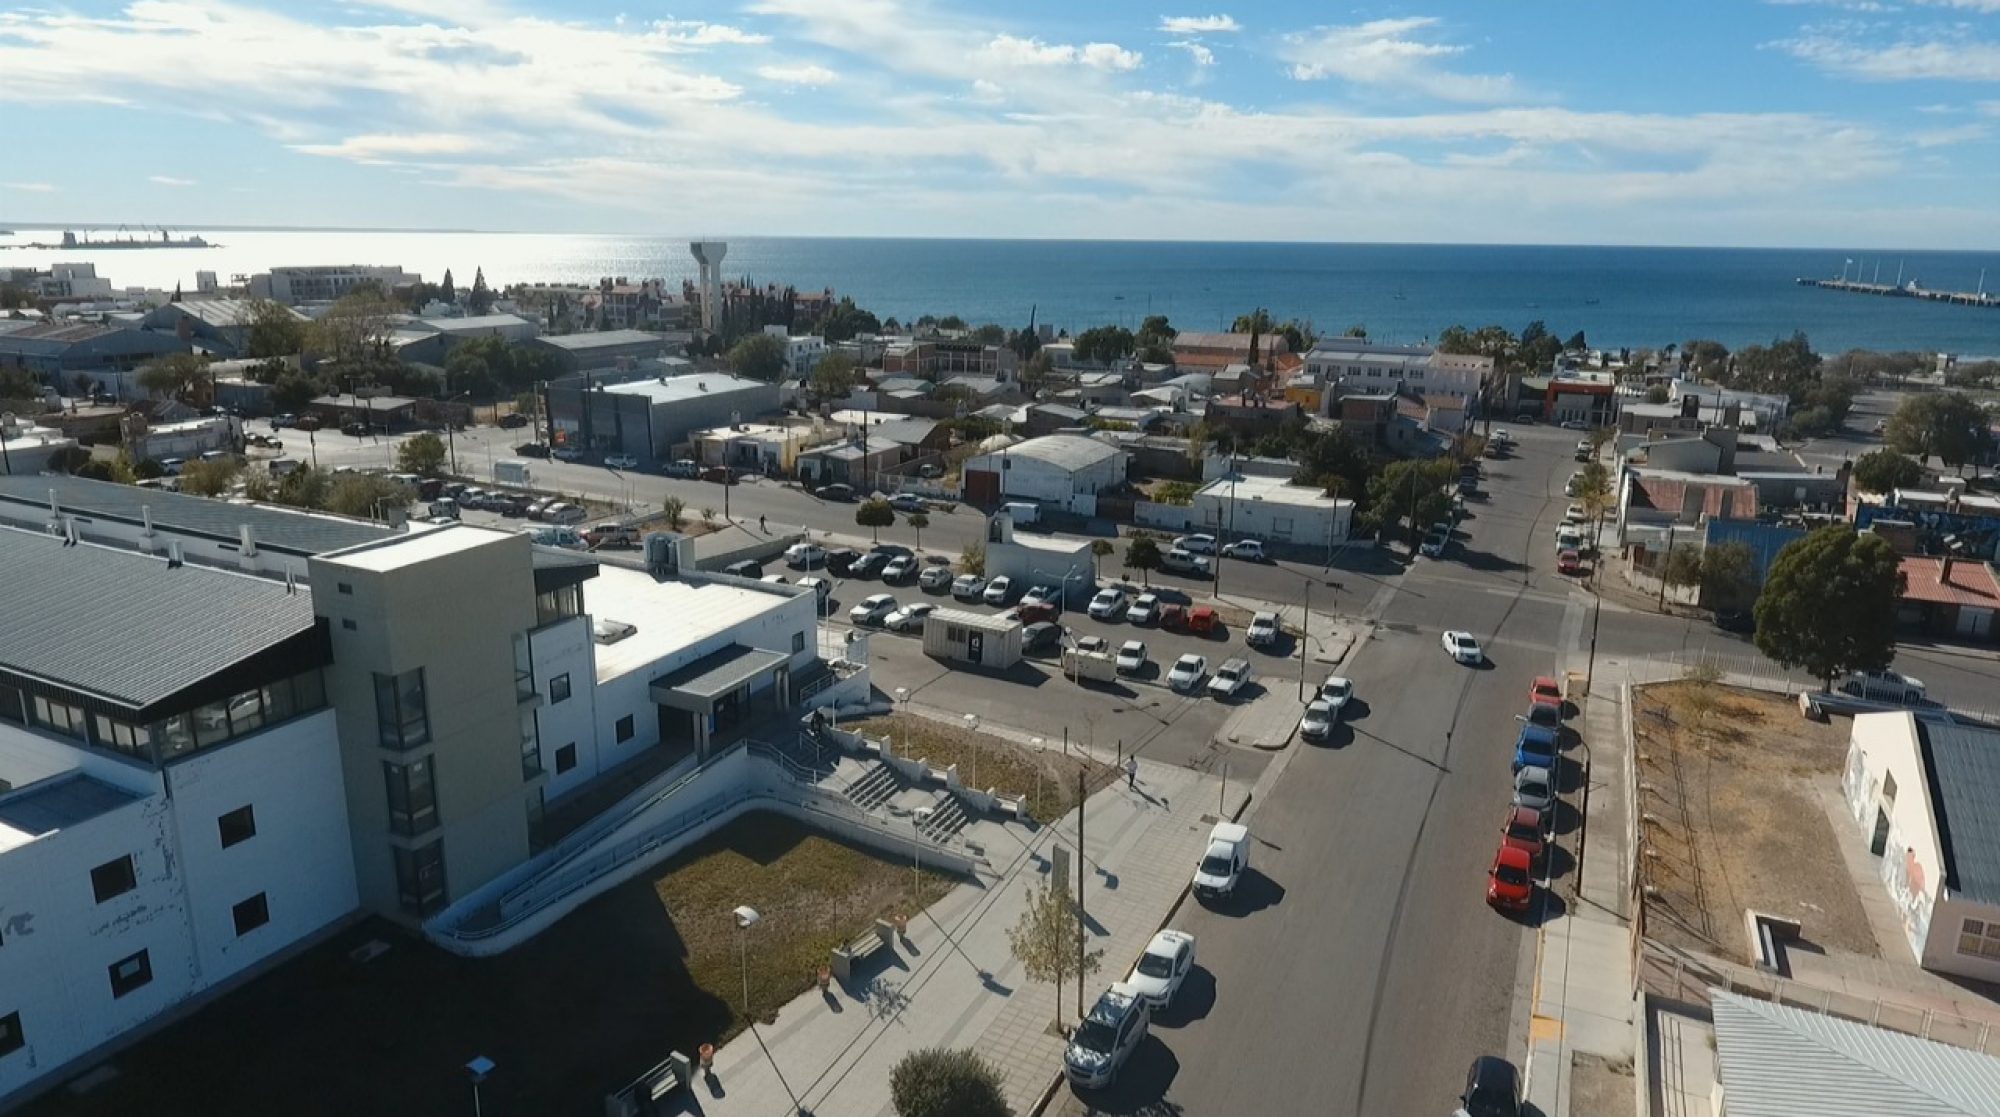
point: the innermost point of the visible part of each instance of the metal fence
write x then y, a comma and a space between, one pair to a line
1763, 674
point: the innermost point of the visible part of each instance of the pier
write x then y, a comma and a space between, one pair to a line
1910, 290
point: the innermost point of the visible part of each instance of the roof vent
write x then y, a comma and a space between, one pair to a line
605, 631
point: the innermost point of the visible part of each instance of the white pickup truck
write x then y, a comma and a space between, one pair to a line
1224, 863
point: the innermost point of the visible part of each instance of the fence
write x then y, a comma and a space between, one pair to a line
1760, 673
1166, 517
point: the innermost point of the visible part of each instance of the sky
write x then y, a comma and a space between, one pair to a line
1859, 123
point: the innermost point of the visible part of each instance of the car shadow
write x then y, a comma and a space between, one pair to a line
1488, 562
1567, 818
1569, 776
1557, 862
1357, 709
1192, 1001
1254, 893
1141, 1087
1341, 736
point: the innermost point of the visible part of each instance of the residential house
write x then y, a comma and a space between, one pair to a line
1949, 598
1200, 350
1270, 508
1065, 471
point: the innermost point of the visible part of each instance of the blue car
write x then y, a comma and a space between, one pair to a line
1535, 747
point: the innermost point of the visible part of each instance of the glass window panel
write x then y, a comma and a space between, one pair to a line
211, 724
246, 713
176, 737
309, 690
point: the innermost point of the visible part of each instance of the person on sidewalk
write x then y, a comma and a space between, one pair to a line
1132, 772
760, 524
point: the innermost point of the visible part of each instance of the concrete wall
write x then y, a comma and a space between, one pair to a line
559, 649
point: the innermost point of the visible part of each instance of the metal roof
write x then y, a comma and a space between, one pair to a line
600, 339
129, 627
278, 529
1963, 763
1776, 1061
720, 672
1064, 451
691, 386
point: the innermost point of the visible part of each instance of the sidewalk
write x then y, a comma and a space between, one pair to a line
956, 984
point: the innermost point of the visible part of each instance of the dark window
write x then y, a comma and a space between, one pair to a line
59, 717
251, 914
558, 689
412, 797
113, 734
128, 974
349, 625
565, 758
625, 728
344, 587
11, 1039
420, 878
114, 878
12, 706
401, 712
798, 642
237, 826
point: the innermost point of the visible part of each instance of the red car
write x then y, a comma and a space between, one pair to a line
1569, 562
1032, 612
1523, 831
1510, 883
1545, 689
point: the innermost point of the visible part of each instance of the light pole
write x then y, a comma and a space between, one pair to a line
972, 728
478, 1068
746, 918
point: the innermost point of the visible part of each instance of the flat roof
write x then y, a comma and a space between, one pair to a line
601, 339
984, 622
1273, 490
678, 389
1053, 544
670, 615
419, 546
129, 627
57, 804
282, 529
720, 672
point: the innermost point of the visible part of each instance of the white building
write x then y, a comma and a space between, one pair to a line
171, 803
26, 448
295, 286
1927, 797
802, 352
1259, 506
1449, 382
1066, 471
1064, 562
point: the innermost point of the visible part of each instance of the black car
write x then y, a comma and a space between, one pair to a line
357, 430
513, 419
836, 491
892, 550
868, 565
532, 450
748, 568
1042, 636
1736, 620
1492, 1089
840, 561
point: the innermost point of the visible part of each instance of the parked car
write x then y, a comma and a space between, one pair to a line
872, 609
566, 454
1336, 692
1040, 637
997, 591
1042, 594
1545, 714
1535, 789
840, 560
836, 491
805, 556
1740, 621
1492, 1089
820, 586
1318, 720
1523, 830
1108, 604
532, 450
1183, 561
1223, 863
968, 587
900, 569
1575, 425
747, 568
354, 429
1510, 883
909, 502
1583, 449
1145, 609
869, 565
1884, 686
934, 579
1199, 620
1230, 678
1249, 550
1433, 545
620, 461
684, 467
512, 420
1200, 544
1263, 630
1035, 612
1107, 1037
1187, 673
1535, 747
603, 535
1569, 562
1131, 657
1165, 964
1463, 648
1545, 689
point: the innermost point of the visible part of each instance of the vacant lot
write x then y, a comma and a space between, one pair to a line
648, 968
1736, 821
1045, 778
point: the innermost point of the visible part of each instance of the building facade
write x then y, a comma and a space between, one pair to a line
297, 286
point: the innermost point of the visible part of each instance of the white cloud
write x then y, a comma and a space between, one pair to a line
382, 146
694, 33
1392, 54
1012, 50
1946, 137
30, 187
805, 74
1852, 54
169, 180
1199, 25
1199, 54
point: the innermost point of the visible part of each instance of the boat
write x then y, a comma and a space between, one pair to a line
165, 240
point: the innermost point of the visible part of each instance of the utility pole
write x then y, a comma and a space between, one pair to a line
1666, 557
1305, 630
1082, 935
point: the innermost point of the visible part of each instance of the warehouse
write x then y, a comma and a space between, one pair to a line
650, 418
1066, 471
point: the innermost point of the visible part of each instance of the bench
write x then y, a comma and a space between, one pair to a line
861, 948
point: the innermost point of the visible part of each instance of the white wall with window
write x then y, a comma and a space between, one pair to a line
565, 670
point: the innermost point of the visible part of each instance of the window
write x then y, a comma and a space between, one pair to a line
1889, 787
420, 878
345, 587
114, 878
402, 717
565, 758
11, 1039
58, 717
239, 825
559, 689
624, 728
251, 914
348, 624
131, 973
116, 735
798, 642
524, 670
531, 746
412, 797
13, 707
1979, 938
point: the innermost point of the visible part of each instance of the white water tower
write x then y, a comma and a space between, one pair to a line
709, 254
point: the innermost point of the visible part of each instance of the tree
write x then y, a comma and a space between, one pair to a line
1951, 425
1594, 492
366, 494
68, 459
758, 356
918, 521
1155, 340
1885, 470
990, 334
1142, 553
1657, 394
294, 391
1101, 548
1728, 573
1705, 359
1682, 566
355, 328
421, 454
845, 321
1049, 941
117, 470
1412, 491
1180, 493
1787, 366
1357, 331
875, 515
276, 330
181, 376
1257, 321
20, 384
1576, 343
209, 478
1796, 625
675, 510
944, 1082
447, 290
834, 376
480, 299
972, 560
304, 487
1298, 335
1105, 343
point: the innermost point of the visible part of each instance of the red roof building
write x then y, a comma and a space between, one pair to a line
1954, 599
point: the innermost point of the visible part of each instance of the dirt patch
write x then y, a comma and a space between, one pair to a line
1602, 1087
1736, 822
648, 968
1044, 778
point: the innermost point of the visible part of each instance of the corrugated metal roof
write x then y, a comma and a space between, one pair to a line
1064, 451
1964, 766
128, 627
1776, 1061
184, 514
600, 339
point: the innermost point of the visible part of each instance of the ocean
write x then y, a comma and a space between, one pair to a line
1638, 297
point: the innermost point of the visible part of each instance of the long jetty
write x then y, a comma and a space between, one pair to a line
1910, 290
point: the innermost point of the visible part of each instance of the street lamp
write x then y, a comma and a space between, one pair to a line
746, 918
972, 727
478, 1068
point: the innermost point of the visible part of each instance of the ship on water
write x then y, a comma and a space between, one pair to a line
165, 240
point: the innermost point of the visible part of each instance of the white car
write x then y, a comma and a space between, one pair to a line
873, 609
1163, 967
968, 587
1263, 630
900, 568
997, 590
1131, 656
1335, 692
1089, 645
1200, 544
805, 555
935, 577
1145, 609
1187, 672
565, 454
908, 618
1109, 602
1318, 721
620, 461
1042, 595
1249, 550
1462, 647
1230, 678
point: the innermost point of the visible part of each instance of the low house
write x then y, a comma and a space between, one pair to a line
1063, 470
760, 447
1927, 796
1064, 562
1048, 418
851, 462
1259, 506
1656, 499
1950, 598
379, 412
1198, 349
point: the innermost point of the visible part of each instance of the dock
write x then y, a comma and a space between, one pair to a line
1910, 290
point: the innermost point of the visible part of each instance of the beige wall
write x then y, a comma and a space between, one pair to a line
1911, 864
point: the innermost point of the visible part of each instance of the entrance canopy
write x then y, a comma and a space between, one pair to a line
696, 687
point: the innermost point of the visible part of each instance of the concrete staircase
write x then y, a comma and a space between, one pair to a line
879, 789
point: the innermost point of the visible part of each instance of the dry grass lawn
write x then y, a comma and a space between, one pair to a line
1045, 778
1737, 821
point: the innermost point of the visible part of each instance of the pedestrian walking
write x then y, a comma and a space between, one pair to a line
760, 524
1132, 772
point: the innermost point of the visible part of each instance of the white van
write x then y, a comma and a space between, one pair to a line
1224, 863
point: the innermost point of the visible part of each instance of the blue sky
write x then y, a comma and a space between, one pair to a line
1723, 122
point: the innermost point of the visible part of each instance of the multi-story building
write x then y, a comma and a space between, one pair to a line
296, 286
802, 351
59, 281
647, 418
1450, 384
